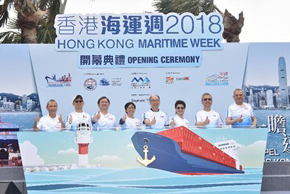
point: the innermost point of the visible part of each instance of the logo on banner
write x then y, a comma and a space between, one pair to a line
116, 82
64, 81
220, 79
140, 82
90, 84
138, 73
182, 79
138, 100
169, 80
104, 82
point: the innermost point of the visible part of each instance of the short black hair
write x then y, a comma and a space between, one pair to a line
103, 97
180, 102
128, 104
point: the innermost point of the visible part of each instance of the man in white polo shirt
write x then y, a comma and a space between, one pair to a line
155, 118
103, 120
207, 118
240, 114
50, 122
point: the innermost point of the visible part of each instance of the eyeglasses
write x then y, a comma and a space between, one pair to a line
207, 99
238, 95
78, 101
180, 107
155, 100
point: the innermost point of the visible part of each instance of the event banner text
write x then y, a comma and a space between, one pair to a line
138, 40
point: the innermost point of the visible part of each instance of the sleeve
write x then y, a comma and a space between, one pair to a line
144, 116
90, 119
252, 112
166, 120
94, 124
115, 122
197, 117
220, 122
229, 112
121, 122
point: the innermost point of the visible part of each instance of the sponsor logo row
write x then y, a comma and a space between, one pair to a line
90, 84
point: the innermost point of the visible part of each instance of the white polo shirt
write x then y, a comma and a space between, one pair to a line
106, 122
160, 116
47, 123
179, 121
76, 119
131, 123
246, 110
213, 116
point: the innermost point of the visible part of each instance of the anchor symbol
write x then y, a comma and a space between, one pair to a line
146, 161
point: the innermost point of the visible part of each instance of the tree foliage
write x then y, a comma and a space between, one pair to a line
34, 22
232, 26
182, 6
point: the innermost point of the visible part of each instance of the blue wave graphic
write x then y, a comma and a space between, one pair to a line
140, 180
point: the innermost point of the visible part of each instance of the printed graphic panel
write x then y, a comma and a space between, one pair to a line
112, 165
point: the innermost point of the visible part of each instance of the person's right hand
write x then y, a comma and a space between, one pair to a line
70, 120
124, 117
172, 123
240, 119
153, 122
35, 123
207, 121
97, 117
36, 119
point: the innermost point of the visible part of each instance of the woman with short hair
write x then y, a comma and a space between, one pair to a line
128, 121
179, 120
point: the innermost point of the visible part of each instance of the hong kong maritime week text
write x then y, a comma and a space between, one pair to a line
75, 44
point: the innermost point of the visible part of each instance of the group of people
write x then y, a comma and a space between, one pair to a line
239, 114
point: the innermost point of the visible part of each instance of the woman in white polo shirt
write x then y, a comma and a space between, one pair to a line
50, 122
128, 121
74, 118
179, 120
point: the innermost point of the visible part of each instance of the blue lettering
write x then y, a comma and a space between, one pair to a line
113, 43
203, 42
60, 44
101, 43
73, 45
90, 44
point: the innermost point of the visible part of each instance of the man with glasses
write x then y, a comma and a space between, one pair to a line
240, 114
74, 118
155, 118
208, 118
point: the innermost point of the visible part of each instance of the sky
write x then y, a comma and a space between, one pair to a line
262, 65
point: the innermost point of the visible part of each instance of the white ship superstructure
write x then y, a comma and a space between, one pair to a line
230, 147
